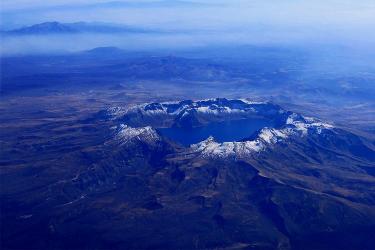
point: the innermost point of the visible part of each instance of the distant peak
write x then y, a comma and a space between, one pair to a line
47, 24
105, 50
53, 27
53, 22
44, 28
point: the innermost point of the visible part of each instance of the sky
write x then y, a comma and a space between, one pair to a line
205, 22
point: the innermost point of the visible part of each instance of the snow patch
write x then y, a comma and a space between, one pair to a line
147, 134
295, 125
247, 101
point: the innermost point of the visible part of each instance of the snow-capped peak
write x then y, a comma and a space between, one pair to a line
145, 134
248, 101
294, 126
199, 113
209, 106
115, 111
303, 124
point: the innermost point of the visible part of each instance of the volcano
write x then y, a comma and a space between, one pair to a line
276, 180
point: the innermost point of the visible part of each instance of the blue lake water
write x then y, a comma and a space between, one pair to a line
234, 130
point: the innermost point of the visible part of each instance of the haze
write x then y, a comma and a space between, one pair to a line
196, 23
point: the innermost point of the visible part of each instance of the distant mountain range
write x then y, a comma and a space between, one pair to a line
74, 28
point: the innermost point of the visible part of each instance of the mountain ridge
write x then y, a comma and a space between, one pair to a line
55, 27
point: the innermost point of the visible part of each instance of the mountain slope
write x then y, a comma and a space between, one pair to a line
130, 187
